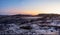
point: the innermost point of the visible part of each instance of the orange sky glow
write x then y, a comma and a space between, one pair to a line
31, 7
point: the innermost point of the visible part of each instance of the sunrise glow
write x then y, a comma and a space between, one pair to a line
32, 7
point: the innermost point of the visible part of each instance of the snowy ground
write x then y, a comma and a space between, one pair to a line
27, 26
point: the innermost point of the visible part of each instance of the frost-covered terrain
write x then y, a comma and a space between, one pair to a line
36, 25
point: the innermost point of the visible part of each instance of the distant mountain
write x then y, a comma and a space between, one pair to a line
52, 15
25, 15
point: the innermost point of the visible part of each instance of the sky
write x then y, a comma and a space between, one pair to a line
32, 7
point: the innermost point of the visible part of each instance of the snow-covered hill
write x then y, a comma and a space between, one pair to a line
37, 25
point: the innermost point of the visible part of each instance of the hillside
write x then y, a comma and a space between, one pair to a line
25, 24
